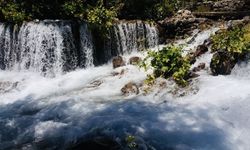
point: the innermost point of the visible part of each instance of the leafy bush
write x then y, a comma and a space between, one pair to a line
101, 16
76, 8
234, 41
163, 9
246, 30
230, 46
12, 12
167, 63
20, 10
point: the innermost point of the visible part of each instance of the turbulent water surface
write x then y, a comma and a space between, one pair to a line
44, 112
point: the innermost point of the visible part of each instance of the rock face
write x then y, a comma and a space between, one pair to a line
223, 5
130, 88
181, 23
222, 63
229, 5
118, 62
134, 60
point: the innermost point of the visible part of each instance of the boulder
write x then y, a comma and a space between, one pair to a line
199, 67
130, 88
181, 23
201, 49
222, 63
134, 60
192, 74
118, 62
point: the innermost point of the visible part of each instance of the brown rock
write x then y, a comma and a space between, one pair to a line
201, 49
134, 60
118, 62
130, 88
183, 22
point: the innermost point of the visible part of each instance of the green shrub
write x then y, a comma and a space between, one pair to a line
167, 63
76, 8
12, 12
230, 46
131, 142
234, 41
101, 18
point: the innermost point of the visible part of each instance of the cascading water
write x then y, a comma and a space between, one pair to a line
86, 45
53, 47
46, 47
83, 105
132, 36
40, 48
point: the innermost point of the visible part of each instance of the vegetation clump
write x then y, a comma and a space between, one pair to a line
232, 41
168, 63
230, 46
92, 10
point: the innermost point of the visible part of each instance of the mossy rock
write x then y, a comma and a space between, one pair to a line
222, 63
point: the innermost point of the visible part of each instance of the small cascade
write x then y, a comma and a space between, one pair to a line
152, 36
86, 45
48, 47
41, 47
129, 36
6, 46
133, 36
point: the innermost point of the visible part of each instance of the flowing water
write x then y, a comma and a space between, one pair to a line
40, 112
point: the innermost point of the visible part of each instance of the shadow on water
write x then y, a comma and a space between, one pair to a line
153, 126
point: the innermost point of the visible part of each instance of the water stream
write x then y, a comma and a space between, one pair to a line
40, 112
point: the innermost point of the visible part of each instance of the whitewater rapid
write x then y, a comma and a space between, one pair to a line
55, 113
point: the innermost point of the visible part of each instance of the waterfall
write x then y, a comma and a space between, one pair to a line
6, 46
40, 47
129, 36
136, 35
52, 47
86, 45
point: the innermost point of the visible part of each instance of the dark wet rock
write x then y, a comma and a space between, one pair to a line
134, 60
118, 62
192, 74
200, 67
191, 58
201, 49
130, 88
222, 63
